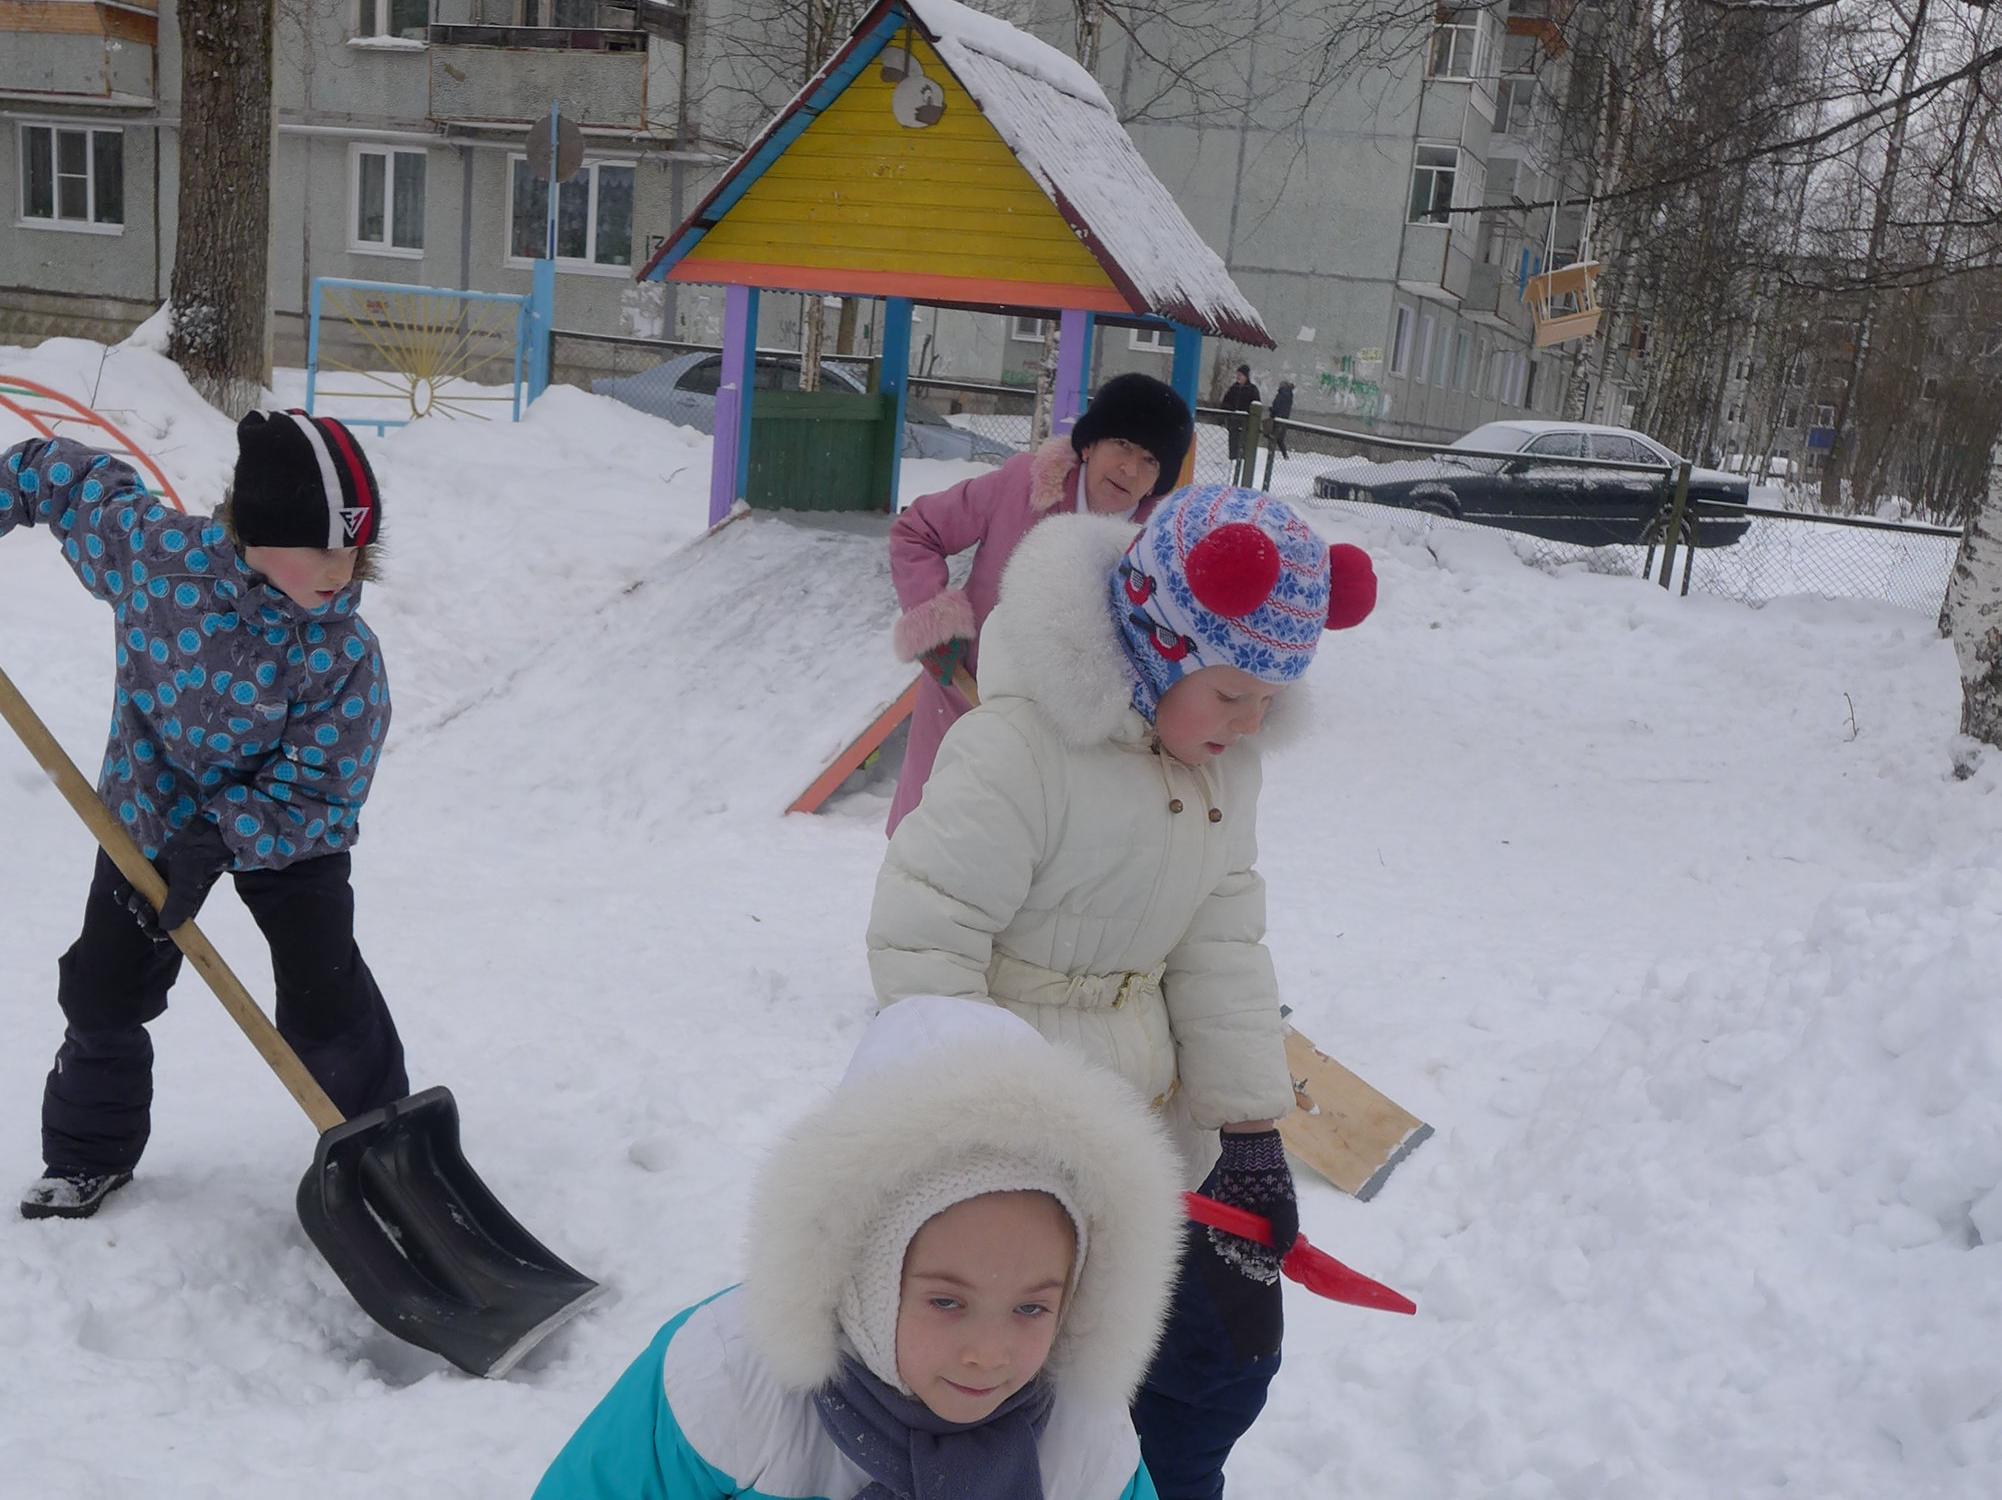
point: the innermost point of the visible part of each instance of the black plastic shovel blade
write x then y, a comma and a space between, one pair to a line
422, 1245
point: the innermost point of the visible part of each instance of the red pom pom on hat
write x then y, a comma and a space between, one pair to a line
1351, 586
1233, 570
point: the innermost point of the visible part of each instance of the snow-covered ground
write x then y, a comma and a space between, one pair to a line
1666, 913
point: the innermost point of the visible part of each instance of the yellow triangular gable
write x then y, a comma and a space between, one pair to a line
859, 195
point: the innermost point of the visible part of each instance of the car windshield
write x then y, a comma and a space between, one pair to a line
1493, 437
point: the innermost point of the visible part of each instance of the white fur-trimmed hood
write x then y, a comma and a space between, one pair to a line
1051, 638
814, 1202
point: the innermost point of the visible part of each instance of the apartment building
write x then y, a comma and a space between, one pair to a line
400, 153
1368, 216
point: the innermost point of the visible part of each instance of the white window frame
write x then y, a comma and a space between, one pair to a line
55, 221
1442, 367
1463, 348
1463, 35
1431, 169
565, 263
1428, 330
1402, 325
1020, 329
385, 246
371, 22
1150, 340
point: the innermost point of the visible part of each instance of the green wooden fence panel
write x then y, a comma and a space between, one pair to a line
821, 450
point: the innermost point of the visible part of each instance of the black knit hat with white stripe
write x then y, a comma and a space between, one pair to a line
302, 482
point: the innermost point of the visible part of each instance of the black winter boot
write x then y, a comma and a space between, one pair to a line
69, 1194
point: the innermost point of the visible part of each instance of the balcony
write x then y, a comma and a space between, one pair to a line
98, 54
483, 74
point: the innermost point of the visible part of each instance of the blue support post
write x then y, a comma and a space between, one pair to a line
730, 460
893, 380
313, 349
1187, 367
541, 319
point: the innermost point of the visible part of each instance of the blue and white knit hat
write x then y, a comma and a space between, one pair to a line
1224, 577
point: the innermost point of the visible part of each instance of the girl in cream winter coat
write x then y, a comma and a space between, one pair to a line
858, 1358
1086, 855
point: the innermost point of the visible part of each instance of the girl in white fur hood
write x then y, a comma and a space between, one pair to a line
1085, 855
958, 1269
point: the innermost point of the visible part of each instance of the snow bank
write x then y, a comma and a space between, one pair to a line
1667, 914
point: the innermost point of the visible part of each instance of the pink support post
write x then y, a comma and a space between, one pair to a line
726, 481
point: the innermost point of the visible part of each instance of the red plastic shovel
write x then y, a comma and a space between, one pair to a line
1316, 1270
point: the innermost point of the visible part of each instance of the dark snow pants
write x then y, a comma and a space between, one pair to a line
1200, 1396
97, 1104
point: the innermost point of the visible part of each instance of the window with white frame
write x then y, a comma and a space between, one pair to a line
386, 189
594, 215
1155, 340
1028, 330
73, 177
1515, 106
1442, 365
1463, 345
1428, 330
1459, 43
1528, 402
1400, 341
1518, 376
407, 19
569, 15
1432, 176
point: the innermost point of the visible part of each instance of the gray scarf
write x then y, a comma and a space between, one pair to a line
911, 1453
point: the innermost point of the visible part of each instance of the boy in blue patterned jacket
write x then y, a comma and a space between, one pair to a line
251, 711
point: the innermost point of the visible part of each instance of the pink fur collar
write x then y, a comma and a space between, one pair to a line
1050, 471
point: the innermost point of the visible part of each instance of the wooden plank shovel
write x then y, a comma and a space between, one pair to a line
1340, 1126
389, 1201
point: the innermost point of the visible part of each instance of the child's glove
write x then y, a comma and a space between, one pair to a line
1252, 1174
942, 661
190, 862
1243, 1278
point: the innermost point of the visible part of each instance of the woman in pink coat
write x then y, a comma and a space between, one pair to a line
1122, 454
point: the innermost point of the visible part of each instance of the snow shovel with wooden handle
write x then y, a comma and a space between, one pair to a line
390, 1201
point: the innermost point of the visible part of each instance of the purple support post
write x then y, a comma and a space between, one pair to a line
740, 338
1073, 348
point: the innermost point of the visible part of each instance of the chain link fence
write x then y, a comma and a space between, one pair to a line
1559, 513
677, 380
1001, 415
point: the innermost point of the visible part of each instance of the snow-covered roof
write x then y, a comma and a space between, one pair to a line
1056, 120
1059, 123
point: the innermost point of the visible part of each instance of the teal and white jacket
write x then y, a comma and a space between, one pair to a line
699, 1416
721, 1403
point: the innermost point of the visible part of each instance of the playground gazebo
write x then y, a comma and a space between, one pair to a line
940, 156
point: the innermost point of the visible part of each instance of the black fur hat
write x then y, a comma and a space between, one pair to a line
1142, 410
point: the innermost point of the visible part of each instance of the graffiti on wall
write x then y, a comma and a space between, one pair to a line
1350, 386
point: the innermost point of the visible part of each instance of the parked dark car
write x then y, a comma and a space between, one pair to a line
1524, 486
683, 390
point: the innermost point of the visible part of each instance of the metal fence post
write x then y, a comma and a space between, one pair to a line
1247, 461
1675, 511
